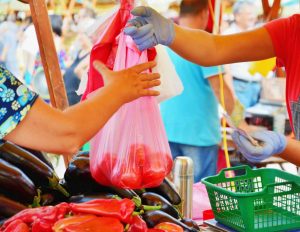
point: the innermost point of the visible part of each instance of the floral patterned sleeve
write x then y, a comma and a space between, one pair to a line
15, 101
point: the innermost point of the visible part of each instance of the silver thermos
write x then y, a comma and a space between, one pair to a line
183, 178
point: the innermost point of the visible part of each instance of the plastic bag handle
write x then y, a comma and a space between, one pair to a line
241, 167
270, 187
126, 4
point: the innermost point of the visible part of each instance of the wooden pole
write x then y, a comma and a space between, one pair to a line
271, 12
57, 92
216, 27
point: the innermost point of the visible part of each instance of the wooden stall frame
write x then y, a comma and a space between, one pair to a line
57, 92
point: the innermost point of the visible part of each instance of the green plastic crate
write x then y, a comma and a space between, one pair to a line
257, 200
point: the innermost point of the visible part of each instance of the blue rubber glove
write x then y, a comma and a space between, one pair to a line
149, 28
271, 143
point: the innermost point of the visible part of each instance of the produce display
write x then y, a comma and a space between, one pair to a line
78, 202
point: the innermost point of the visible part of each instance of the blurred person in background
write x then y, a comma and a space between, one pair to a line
77, 69
246, 86
9, 40
39, 83
83, 22
192, 130
30, 48
56, 25
79, 52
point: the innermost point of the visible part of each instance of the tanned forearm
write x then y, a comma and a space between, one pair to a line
291, 152
64, 132
209, 50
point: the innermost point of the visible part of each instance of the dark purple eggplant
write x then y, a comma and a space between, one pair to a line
40, 173
82, 154
154, 217
15, 184
123, 193
9, 207
154, 199
139, 191
2, 220
78, 178
85, 198
166, 190
191, 223
40, 155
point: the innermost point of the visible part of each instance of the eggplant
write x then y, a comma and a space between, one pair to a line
78, 177
85, 198
123, 193
154, 217
52, 197
9, 207
2, 220
40, 155
40, 173
47, 199
15, 184
191, 223
82, 154
79, 180
154, 199
166, 190
139, 191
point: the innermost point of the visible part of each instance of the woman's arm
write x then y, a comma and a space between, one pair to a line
64, 132
209, 50
291, 152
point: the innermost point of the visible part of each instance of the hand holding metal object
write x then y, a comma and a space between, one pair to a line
241, 131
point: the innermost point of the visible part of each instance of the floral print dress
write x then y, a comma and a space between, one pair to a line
15, 101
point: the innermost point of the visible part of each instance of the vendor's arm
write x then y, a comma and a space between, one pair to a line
291, 152
271, 143
64, 132
207, 49
149, 28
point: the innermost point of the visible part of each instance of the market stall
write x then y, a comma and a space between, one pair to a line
100, 194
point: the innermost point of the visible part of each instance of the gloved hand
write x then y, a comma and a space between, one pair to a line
149, 28
271, 143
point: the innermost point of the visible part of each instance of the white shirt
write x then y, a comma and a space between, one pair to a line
30, 43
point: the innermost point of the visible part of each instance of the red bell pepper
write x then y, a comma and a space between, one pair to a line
128, 177
98, 224
120, 209
154, 171
48, 214
130, 170
138, 153
156, 230
169, 227
104, 170
61, 224
137, 225
16, 226
42, 225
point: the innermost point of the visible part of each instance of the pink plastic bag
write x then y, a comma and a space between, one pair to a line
200, 200
105, 47
132, 149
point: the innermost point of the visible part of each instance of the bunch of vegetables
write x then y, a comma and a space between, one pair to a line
93, 207
23, 175
103, 215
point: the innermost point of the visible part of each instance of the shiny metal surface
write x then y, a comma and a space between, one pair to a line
183, 173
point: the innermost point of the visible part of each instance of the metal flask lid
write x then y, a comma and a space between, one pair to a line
183, 166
